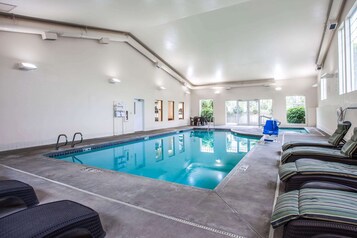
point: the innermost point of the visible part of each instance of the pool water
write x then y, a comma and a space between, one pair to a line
293, 130
195, 158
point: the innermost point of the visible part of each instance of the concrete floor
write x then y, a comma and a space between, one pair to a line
132, 206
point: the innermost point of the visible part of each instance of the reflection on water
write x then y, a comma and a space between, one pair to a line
203, 158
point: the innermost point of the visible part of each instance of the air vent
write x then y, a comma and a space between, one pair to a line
4, 7
332, 25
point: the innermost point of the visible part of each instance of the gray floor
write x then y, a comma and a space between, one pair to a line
132, 206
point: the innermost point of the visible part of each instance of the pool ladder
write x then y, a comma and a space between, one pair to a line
73, 143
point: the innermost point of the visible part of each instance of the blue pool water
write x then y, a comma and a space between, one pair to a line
294, 130
195, 158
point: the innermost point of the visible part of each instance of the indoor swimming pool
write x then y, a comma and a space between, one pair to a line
198, 158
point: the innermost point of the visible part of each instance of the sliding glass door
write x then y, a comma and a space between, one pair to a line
247, 112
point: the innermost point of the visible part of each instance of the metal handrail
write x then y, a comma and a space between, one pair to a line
58, 139
260, 119
74, 137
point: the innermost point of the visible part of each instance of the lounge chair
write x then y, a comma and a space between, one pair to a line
10, 189
295, 174
62, 219
317, 212
333, 141
345, 155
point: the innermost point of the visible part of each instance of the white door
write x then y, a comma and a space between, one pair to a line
138, 114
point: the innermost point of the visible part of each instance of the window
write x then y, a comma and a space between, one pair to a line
295, 109
347, 53
171, 112
341, 60
158, 110
181, 110
353, 47
206, 109
323, 89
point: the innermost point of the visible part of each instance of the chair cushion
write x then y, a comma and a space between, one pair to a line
340, 132
310, 152
318, 143
351, 145
315, 204
317, 167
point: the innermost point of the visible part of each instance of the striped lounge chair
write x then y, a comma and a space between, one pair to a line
345, 155
333, 141
317, 213
297, 173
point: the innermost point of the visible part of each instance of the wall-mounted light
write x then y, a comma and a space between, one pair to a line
217, 92
114, 80
26, 66
278, 88
188, 92
162, 88
314, 85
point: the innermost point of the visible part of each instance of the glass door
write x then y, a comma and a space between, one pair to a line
231, 112
243, 118
248, 112
253, 109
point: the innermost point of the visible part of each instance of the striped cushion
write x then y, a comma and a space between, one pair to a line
341, 131
307, 151
351, 145
317, 204
318, 143
286, 208
318, 167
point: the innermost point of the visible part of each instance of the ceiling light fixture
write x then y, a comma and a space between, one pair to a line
278, 88
114, 80
162, 87
26, 66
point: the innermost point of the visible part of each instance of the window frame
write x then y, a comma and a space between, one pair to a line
346, 61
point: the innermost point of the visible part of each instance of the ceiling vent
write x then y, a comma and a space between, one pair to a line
4, 7
332, 25
49, 36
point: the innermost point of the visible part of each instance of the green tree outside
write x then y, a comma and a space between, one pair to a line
207, 109
296, 115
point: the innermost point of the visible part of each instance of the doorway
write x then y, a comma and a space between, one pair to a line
138, 115
245, 112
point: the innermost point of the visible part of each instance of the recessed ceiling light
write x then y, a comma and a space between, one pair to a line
26, 66
278, 88
114, 80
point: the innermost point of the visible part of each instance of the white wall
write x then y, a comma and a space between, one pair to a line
293, 87
70, 92
326, 111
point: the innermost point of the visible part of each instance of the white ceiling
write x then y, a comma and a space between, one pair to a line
208, 41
